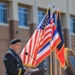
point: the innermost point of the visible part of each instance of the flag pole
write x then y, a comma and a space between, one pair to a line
50, 57
54, 65
54, 53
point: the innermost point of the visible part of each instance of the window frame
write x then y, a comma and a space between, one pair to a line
40, 15
3, 22
71, 25
24, 13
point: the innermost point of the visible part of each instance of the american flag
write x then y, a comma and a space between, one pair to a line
38, 47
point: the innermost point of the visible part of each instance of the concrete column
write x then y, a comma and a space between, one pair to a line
32, 28
13, 9
66, 31
33, 21
13, 19
34, 14
13, 28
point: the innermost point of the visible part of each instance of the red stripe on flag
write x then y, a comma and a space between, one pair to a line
29, 50
60, 56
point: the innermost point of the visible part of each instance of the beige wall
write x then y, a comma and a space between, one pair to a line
24, 33
72, 7
61, 4
4, 45
43, 3
27, 2
4, 32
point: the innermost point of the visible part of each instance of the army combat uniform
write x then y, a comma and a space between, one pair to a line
13, 63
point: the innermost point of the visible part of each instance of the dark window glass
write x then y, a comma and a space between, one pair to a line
3, 13
72, 25
40, 16
23, 16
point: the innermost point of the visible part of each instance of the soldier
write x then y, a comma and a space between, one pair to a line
12, 61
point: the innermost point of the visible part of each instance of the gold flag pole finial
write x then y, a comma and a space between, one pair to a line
58, 11
49, 6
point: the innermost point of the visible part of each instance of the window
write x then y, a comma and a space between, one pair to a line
23, 16
40, 16
72, 25
3, 13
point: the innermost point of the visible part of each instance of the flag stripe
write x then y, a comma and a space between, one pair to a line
43, 53
32, 49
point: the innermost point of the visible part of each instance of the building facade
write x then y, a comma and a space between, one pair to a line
19, 18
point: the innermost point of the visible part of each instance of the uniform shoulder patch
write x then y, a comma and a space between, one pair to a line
8, 52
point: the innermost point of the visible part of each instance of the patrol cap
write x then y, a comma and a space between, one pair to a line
13, 41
